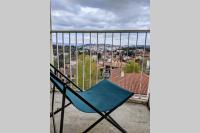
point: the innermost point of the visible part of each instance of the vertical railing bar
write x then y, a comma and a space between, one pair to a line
97, 57
90, 62
51, 49
76, 59
111, 57
142, 63
83, 61
70, 69
128, 43
148, 89
127, 58
120, 35
63, 42
136, 40
104, 58
51, 40
57, 51
120, 44
135, 50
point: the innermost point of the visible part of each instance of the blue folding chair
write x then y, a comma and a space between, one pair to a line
102, 98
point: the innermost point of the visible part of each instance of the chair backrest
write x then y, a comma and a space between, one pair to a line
56, 72
64, 87
60, 85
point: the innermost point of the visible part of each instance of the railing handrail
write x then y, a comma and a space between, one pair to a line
100, 31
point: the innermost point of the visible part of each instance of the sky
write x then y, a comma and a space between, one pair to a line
100, 14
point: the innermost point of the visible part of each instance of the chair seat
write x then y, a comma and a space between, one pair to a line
104, 96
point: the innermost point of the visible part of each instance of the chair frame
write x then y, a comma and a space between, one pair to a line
104, 115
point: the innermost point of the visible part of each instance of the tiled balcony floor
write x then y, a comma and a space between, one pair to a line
134, 118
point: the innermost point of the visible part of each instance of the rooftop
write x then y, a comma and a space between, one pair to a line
131, 81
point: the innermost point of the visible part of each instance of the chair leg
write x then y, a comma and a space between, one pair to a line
62, 112
58, 110
90, 127
109, 119
112, 121
52, 109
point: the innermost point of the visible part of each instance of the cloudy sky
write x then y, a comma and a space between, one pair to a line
100, 14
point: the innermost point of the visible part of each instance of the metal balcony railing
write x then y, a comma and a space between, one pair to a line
88, 56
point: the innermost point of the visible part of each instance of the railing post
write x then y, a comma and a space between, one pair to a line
104, 58
127, 59
141, 73
111, 57
135, 50
57, 51
51, 50
97, 58
76, 59
120, 54
51, 41
83, 62
70, 67
90, 62
63, 42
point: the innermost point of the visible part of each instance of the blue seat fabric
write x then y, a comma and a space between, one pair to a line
104, 96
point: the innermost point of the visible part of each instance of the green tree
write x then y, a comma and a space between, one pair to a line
87, 71
132, 66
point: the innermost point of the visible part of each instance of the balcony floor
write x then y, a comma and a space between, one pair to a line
134, 118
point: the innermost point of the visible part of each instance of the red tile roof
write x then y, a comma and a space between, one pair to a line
135, 82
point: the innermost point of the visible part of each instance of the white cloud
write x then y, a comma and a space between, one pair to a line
100, 14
